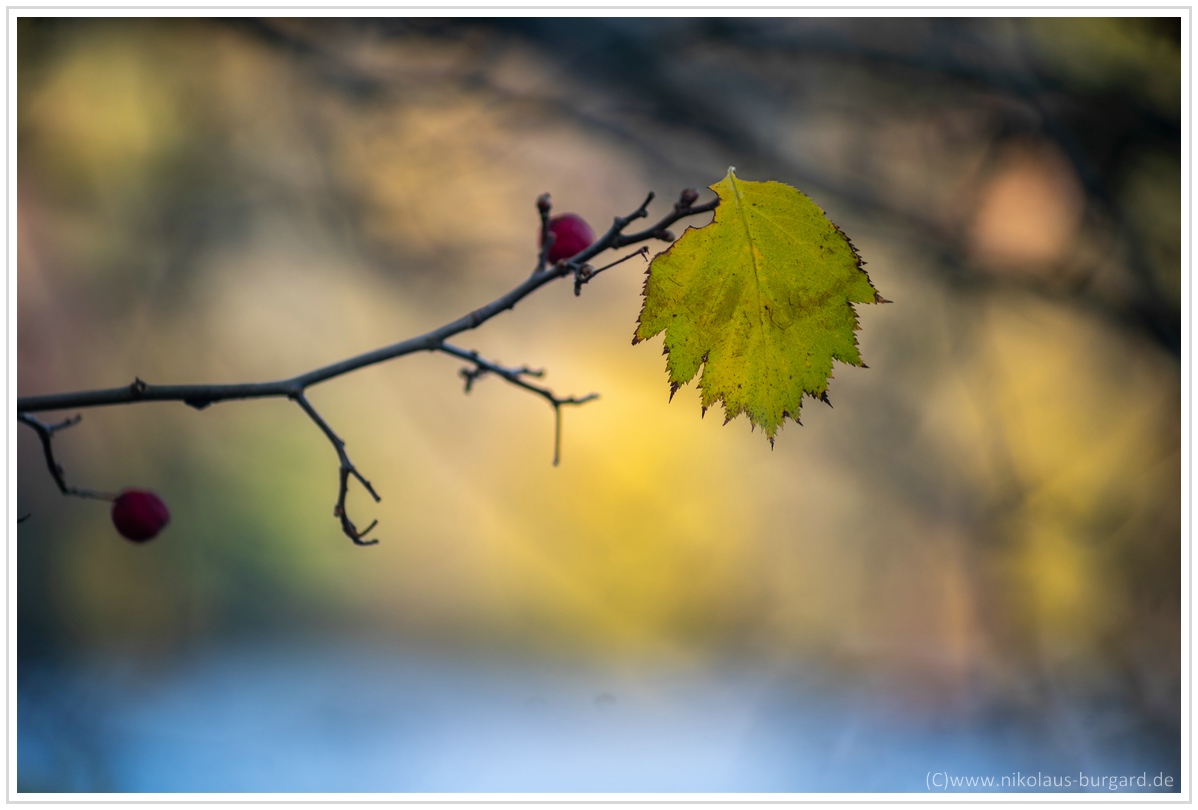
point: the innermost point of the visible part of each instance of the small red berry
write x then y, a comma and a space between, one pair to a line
139, 514
571, 234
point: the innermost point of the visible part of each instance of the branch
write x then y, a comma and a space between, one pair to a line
46, 434
201, 396
347, 469
516, 377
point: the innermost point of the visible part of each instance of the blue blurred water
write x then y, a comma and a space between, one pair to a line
355, 718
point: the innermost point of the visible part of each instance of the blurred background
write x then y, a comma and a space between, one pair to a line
970, 565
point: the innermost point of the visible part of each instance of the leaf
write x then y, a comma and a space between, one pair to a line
762, 298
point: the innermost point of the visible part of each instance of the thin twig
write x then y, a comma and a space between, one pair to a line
659, 230
516, 376
346, 470
585, 273
46, 434
481, 370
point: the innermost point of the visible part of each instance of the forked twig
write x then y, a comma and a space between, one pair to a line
585, 273
516, 377
46, 434
347, 469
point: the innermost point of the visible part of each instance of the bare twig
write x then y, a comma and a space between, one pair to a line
201, 396
347, 469
46, 434
585, 273
516, 377
483, 369
660, 230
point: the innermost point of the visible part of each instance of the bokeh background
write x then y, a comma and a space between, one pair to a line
971, 564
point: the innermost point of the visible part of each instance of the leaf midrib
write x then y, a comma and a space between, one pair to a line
740, 208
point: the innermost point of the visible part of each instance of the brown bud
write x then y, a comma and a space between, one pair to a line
688, 197
665, 236
543, 203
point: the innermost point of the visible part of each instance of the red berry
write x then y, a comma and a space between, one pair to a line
139, 514
572, 235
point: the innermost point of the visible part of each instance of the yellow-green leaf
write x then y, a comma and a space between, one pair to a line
762, 298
